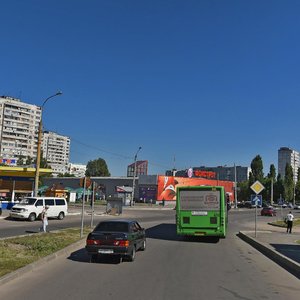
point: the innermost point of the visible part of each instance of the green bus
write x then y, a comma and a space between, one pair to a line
201, 211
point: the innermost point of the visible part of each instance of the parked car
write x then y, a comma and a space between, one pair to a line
268, 211
248, 204
297, 206
30, 208
116, 238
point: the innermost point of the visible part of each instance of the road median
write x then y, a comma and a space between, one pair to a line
23, 254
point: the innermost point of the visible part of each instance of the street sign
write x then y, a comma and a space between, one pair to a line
256, 200
257, 187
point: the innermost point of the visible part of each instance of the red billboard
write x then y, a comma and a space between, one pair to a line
166, 189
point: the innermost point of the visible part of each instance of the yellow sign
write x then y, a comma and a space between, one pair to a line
257, 187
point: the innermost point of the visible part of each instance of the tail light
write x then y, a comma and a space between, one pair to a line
93, 242
122, 243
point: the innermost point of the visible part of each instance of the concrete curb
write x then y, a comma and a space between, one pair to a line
26, 269
285, 262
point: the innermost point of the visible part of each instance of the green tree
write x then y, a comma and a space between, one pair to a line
272, 173
278, 188
65, 175
251, 179
29, 161
297, 191
43, 162
289, 183
257, 168
97, 167
297, 188
243, 191
20, 161
268, 182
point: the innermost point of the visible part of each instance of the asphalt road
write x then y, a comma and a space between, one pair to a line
10, 227
170, 268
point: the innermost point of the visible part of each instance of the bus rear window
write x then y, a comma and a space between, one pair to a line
199, 200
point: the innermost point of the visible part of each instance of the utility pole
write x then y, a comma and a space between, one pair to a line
272, 195
38, 154
235, 187
134, 174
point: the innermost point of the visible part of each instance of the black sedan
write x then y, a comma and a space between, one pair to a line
116, 237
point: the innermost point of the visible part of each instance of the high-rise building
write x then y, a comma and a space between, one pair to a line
288, 156
19, 124
56, 150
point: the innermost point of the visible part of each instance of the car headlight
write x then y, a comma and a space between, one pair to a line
24, 209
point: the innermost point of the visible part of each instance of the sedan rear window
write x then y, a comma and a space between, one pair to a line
112, 226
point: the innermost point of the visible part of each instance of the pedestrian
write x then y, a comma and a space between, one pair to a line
44, 219
289, 219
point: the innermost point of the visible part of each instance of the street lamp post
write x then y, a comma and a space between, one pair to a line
235, 188
295, 178
38, 154
134, 174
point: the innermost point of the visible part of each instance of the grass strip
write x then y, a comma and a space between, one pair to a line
281, 223
18, 252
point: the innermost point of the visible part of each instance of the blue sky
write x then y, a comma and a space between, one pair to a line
205, 82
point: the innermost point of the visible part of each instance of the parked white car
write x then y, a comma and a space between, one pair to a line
31, 208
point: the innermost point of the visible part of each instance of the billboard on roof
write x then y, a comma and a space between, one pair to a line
166, 186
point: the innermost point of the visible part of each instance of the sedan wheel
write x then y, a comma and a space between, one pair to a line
131, 257
93, 258
143, 248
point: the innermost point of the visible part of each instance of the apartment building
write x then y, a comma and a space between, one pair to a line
141, 168
56, 150
288, 156
78, 170
19, 123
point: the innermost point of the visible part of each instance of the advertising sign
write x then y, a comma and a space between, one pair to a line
9, 162
166, 186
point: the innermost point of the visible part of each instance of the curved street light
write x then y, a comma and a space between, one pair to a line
38, 154
134, 174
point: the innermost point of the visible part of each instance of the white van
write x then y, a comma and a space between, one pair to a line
31, 208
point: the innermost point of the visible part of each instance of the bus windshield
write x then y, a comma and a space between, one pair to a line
199, 200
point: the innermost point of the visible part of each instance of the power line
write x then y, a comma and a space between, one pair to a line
100, 149
115, 154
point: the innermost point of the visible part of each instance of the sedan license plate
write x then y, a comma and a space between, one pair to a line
105, 251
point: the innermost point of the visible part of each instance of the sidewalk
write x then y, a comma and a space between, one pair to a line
276, 244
